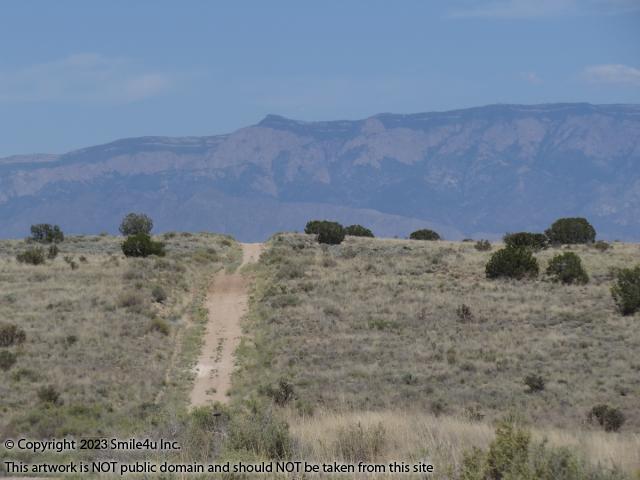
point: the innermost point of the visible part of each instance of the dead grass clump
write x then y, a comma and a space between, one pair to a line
131, 300
7, 359
357, 443
11, 335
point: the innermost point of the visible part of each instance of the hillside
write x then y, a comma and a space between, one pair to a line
372, 332
473, 172
359, 352
113, 336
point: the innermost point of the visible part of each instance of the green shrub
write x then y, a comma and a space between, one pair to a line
7, 360
534, 382
159, 325
602, 246
609, 418
52, 252
331, 233
571, 231
512, 262
567, 268
512, 456
141, 245
313, 227
135, 224
46, 233
535, 241
31, 256
49, 394
261, 433
358, 231
158, 294
482, 245
424, 234
11, 335
281, 394
626, 291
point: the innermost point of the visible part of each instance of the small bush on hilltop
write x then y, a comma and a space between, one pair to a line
567, 268
46, 233
609, 418
424, 234
331, 233
313, 227
571, 231
136, 223
141, 245
482, 245
31, 256
358, 231
512, 262
11, 335
626, 291
535, 241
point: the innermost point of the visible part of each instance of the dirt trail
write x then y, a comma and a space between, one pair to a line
226, 303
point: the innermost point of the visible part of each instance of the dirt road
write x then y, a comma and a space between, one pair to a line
226, 303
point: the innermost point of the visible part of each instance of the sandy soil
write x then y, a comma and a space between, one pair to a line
226, 303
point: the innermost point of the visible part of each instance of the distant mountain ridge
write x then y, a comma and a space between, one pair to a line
468, 173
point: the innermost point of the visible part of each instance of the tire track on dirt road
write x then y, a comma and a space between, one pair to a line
226, 304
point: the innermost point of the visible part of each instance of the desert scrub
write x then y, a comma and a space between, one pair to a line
31, 256
571, 231
358, 231
11, 334
567, 268
347, 324
75, 329
534, 241
259, 432
609, 418
482, 245
513, 455
424, 234
512, 262
626, 290
46, 233
534, 382
141, 245
7, 359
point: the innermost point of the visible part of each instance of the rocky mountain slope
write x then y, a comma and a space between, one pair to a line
473, 172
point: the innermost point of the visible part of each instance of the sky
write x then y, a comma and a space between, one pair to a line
75, 73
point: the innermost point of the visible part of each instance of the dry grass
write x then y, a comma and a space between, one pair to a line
377, 326
95, 333
442, 441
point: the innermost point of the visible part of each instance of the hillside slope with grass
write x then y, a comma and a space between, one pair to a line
412, 336
108, 340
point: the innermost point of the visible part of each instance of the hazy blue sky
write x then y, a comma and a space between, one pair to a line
77, 73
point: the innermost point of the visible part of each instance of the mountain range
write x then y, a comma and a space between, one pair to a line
477, 172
